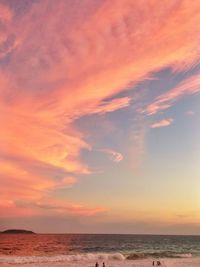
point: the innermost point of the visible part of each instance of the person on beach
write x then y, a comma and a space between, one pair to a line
96, 264
153, 263
104, 264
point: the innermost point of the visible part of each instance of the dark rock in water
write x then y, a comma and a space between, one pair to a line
17, 231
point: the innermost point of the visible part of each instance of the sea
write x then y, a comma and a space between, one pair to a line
78, 250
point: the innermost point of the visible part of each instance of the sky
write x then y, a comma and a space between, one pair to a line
99, 114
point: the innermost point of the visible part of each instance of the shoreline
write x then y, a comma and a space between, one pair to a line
131, 263
166, 262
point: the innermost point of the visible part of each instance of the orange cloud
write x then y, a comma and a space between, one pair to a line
68, 181
162, 123
9, 210
67, 62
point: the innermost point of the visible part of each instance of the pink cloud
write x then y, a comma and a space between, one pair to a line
24, 208
162, 123
114, 155
60, 207
9, 210
111, 105
7, 40
5, 13
66, 62
187, 87
190, 113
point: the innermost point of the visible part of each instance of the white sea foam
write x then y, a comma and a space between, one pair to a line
88, 260
63, 258
186, 255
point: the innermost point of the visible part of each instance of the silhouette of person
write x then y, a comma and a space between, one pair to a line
96, 264
153, 263
104, 264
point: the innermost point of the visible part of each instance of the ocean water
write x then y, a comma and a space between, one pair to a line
85, 249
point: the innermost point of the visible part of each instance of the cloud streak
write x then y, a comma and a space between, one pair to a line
60, 207
113, 155
189, 86
162, 123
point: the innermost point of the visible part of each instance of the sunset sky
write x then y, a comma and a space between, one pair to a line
100, 116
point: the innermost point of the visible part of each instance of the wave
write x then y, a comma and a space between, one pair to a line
61, 258
136, 256
89, 257
186, 255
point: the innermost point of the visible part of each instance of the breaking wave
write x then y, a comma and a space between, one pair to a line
136, 256
89, 257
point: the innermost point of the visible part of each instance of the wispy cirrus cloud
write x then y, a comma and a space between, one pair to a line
188, 86
8, 42
27, 208
112, 105
113, 155
64, 64
60, 207
190, 113
162, 123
